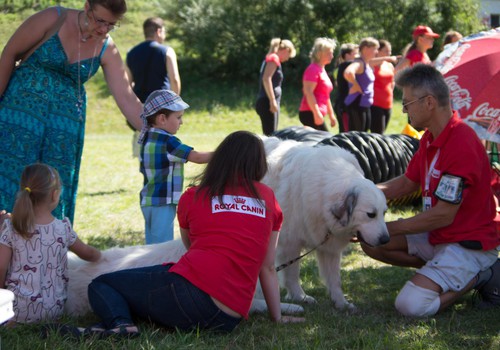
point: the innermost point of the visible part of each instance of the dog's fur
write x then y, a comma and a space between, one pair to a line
322, 191
81, 272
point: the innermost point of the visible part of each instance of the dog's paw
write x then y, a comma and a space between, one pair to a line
304, 298
348, 307
291, 309
259, 305
309, 300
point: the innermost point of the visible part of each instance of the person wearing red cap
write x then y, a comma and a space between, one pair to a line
416, 52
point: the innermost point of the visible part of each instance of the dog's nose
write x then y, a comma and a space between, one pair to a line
384, 239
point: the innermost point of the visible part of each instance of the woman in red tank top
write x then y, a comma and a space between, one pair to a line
383, 90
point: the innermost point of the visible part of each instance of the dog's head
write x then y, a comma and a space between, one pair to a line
361, 213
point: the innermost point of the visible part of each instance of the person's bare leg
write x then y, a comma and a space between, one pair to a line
447, 298
394, 253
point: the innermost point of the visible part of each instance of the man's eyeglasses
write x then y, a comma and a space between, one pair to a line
102, 23
405, 105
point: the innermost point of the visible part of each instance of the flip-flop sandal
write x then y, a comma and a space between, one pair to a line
95, 329
64, 330
122, 331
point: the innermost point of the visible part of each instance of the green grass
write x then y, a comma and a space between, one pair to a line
108, 214
372, 286
110, 179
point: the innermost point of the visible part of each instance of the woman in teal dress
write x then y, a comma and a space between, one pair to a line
42, 101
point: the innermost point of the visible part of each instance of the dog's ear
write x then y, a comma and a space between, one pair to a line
343, 211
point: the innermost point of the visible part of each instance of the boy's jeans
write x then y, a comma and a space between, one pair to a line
159, 223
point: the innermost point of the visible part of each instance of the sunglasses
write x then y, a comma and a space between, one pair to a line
405, 105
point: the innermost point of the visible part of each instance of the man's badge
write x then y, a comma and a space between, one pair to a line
450, 189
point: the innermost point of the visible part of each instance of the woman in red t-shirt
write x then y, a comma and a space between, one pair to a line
230, 226
383, 88
416, 52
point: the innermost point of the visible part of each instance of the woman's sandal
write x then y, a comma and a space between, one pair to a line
96, 329
122, 331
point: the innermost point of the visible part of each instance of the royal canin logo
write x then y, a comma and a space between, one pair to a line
239, 200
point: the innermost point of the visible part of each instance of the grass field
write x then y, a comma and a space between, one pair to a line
109, 171
108, 214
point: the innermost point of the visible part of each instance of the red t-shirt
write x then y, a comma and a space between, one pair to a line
383, 85
273, 57
461, 154
416, 56
317, 74
228, 242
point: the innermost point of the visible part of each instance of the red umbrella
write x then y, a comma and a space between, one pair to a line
471, 68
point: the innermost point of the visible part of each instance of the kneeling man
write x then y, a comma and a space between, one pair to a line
453, 240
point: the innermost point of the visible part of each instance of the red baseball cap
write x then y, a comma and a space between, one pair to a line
424, 30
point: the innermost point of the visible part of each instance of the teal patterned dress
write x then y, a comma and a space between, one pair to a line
42, 119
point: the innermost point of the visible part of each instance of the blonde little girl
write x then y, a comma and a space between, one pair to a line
34, 246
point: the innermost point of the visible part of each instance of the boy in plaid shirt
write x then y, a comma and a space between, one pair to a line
162, 158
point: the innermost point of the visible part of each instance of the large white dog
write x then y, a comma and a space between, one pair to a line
323, 193
81, 272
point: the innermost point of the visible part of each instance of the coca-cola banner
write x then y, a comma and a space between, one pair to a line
471, 68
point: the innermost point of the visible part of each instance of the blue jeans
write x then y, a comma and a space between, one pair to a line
159, 223
153, 293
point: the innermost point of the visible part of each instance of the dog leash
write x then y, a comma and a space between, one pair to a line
285, 265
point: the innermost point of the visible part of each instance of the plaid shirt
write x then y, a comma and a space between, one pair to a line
162, 165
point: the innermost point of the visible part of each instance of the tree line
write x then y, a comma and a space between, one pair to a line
227, 39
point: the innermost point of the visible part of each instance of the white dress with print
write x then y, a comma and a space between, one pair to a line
38, 270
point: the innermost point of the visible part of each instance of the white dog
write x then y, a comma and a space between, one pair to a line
323, 193
82, 272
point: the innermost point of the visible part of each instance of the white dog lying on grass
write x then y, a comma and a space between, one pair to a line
82, 272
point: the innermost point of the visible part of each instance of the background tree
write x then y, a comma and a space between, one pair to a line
227, 39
